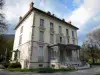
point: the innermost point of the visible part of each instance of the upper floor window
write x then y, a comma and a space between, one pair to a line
60, 39
72, 34
51, 38
20, 39
40, 54
67, 32
41, 22
68, 40
21, 30
74, 42
41, 36
60, 29
51, 26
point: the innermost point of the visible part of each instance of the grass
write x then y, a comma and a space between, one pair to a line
41, 70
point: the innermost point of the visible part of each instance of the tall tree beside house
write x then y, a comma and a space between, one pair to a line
6, 46
3, 23
90, 49
95, 35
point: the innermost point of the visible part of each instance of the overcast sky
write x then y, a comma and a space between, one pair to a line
85, 14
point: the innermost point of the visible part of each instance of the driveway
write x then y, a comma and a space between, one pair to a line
91, 71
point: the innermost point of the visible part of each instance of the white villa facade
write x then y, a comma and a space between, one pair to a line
43, 40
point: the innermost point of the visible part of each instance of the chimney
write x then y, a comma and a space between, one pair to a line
69, 22
20, 18
63, 19
53, 14
49, 12
31, 5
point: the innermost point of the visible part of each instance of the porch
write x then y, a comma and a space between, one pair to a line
62, 55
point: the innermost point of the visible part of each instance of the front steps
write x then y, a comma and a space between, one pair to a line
77, 65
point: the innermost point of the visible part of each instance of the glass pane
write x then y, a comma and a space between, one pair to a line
51, 26
41, 36
40, 54
41, 22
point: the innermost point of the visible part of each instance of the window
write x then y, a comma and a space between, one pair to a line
67, 32
41, 22
67, 35
72, 34
53, 53
41, 36
60, 29
40, 65
51, 38
60, 39
51, 27
20, 39
40, 54
68, 41
73, 41
21, 30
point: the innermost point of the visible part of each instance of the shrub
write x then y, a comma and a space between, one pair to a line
95, 64
41, 70
45, 70
14, 65
64, 69
6, 65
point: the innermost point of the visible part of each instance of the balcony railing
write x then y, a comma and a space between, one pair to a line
41, 28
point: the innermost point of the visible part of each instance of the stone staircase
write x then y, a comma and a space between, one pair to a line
77, 65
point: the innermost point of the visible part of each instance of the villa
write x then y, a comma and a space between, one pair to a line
43, 40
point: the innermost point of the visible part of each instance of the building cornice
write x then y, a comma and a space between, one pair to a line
25, 16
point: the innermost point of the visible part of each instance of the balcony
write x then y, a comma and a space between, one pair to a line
68, 37
41, 28
52, 31
73, 38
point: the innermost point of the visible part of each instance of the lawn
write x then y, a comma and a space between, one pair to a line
41, 70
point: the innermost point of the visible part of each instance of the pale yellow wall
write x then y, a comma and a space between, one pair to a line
47, 21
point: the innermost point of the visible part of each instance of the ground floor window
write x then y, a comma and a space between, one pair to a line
40, 54
53, 53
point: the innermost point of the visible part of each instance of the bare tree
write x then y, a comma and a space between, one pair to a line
3, 23
95, 35
91, 49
